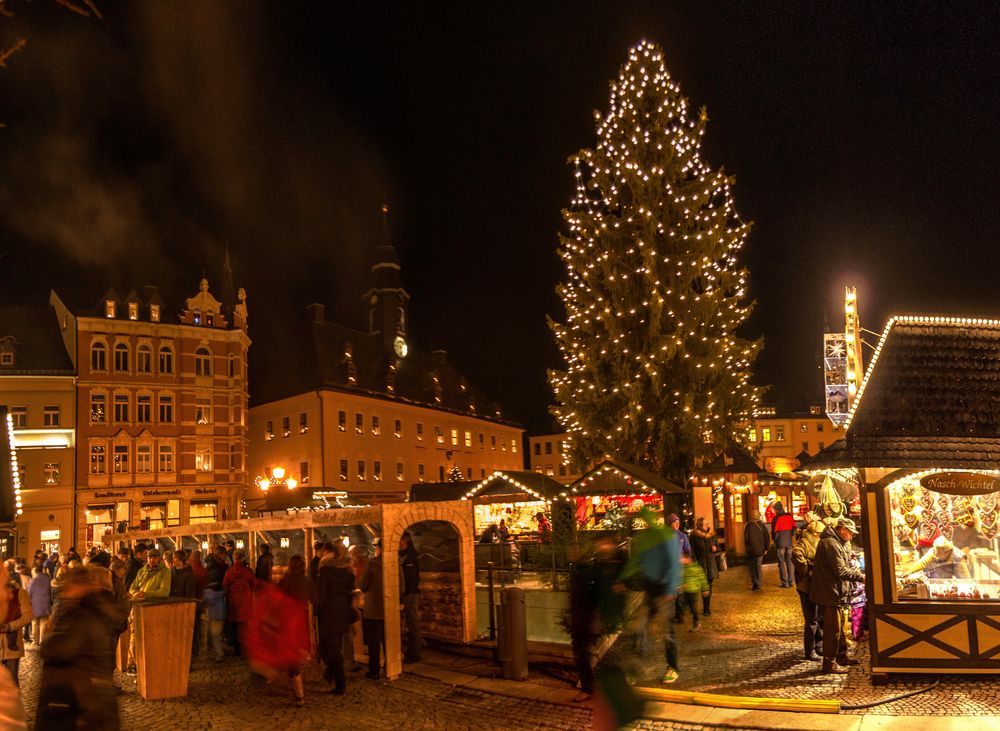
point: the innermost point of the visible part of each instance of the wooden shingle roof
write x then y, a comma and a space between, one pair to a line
931, 397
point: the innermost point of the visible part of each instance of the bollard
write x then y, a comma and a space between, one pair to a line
513, 634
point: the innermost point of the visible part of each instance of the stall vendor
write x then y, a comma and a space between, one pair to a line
943, 561
968, 536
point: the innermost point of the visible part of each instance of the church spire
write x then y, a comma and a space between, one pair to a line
386, 297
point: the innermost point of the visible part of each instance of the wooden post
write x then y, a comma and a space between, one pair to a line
163, 634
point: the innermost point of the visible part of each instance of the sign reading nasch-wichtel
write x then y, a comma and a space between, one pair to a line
961, 483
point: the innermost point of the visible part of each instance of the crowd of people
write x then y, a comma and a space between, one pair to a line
77, 610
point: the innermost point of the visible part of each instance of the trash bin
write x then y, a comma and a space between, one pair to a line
163, 633
513, 634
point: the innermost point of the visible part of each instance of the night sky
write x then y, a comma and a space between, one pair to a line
864, 144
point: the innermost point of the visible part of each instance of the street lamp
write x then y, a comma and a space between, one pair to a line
277, 480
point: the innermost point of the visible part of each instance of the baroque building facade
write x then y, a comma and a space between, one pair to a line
162, 410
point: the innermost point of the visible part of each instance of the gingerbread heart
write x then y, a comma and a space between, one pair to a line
928, 530
989, 518
909, 489
990, 532
908, 503
927, 500
912, 519
947, 530
987, 502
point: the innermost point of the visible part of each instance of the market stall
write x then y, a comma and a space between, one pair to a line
923, 441
611, 493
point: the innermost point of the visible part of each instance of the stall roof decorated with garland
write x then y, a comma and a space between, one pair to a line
610, 477
931, 396
500, 486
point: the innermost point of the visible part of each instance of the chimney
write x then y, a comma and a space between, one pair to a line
318, 313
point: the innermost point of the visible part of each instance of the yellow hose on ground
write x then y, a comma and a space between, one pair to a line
738, 701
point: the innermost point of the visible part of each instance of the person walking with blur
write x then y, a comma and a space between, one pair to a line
756, 541
334, 594
214, 597
373, 623
409, 563
200, 580
239, 583
16, 608
40, 594
295, 585
76, 689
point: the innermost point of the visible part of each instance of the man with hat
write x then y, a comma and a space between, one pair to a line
152, 582
830, 589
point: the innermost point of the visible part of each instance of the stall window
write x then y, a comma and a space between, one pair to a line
945, 536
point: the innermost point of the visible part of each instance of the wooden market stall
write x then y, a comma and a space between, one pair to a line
923, 442
611, 492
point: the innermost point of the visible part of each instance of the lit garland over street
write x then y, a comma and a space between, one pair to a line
653, 295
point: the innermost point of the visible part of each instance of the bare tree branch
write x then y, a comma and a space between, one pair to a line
7, 53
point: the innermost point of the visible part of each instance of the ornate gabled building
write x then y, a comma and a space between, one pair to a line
162, 404
367, 413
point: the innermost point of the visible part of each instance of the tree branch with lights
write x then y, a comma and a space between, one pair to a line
655, 373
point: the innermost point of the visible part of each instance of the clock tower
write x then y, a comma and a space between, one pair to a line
386, 298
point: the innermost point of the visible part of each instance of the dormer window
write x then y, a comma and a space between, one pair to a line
7, 358
109, 308
133, 310
197, 316
210, 318
154, 313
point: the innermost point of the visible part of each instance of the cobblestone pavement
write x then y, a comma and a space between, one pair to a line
751, 646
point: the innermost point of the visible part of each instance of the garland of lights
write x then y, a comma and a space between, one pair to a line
654, 369
15, 470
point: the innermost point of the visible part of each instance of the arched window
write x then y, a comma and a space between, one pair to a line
144, 359
166, 360
98, 357
202, 362
121, 357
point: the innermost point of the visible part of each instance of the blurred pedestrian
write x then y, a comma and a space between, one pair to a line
11, 709
40, 594
695, 587
409, 563
16, 608
239, 583
595, 608
756, 540
334, 594
373, 624
295, 585
684, 545
76, 689
200, 581
265, 563
214, 597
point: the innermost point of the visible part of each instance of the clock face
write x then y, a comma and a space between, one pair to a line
399, 345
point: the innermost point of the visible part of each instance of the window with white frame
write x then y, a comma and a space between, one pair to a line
50, 416
166, 364
202, 362
166, 458
52, 473
120, 461
203, 459
121, 357
121, 408
19, 415
144, 359
98, 356
98, 408
143, 408
203, 410
144, 458
166, 409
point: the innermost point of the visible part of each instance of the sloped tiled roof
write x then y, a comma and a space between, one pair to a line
931, 397
611, 477
321, 362
36, 341
733, 460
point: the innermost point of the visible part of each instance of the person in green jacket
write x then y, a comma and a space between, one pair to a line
153, 579
152, 582
695, 585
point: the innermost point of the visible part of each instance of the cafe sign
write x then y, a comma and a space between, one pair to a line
961, 483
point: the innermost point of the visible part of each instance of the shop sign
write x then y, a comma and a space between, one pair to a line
109, 493
50, 535
205, 491
153, 493
961, 483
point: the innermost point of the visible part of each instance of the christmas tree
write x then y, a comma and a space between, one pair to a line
455, 473
655, 373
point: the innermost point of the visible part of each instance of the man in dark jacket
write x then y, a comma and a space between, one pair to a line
830, 588
409, 562
135, 563
756, 539
182, 583
334, 592
782, 530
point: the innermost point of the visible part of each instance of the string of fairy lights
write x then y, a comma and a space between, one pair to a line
653, 290
14, 468
575, 490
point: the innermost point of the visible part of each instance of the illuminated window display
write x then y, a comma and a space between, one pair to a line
519, 517
944, 532
593, 512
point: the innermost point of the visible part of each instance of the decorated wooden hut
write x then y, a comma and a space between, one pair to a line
611, 492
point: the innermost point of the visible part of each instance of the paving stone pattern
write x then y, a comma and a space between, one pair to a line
751, 646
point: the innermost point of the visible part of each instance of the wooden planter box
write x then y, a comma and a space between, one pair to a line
163, 635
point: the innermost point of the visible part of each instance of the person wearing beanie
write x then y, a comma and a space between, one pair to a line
804, 544
830, 588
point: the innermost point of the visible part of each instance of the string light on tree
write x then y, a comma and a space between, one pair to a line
654, 371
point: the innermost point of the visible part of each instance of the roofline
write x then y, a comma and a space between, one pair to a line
911, 320
396, 399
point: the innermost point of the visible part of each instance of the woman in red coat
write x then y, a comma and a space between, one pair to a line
239, 583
